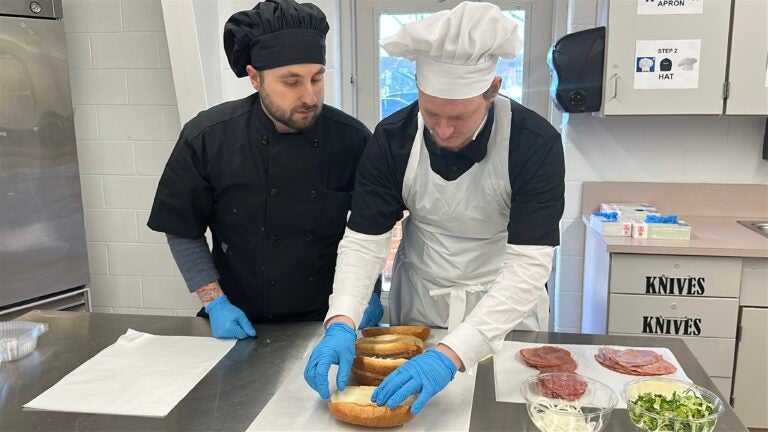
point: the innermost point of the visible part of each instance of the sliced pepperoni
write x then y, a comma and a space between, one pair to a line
606, 357
545, 356
634, 357
603, 357
602, 353
661, 367
613, 365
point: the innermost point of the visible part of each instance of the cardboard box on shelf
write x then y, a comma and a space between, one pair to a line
679, 231
619, 228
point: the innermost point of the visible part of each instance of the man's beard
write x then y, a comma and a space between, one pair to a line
288, 118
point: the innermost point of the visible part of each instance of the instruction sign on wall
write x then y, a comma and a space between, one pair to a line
670, 7
667, 64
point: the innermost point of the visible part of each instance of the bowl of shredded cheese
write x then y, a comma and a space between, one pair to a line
589, 412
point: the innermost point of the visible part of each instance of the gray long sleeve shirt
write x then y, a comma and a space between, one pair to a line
195, 262
194, 259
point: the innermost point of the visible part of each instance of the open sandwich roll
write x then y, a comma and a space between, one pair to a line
389, 346
371, 371
354, 406
420, 332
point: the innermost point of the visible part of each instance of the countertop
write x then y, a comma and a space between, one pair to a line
710, 236
240, 385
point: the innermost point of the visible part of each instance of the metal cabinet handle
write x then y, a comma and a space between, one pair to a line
615, 78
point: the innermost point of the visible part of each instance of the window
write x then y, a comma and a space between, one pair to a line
385, 84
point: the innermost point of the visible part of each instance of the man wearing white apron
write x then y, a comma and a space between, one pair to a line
483, 180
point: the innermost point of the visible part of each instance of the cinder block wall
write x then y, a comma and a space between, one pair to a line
126, 122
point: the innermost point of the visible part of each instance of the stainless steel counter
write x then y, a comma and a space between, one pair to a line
227, 399
238, 388
489, 415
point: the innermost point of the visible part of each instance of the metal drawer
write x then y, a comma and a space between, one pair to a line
754, 282
675, 275
673, 316
715, 355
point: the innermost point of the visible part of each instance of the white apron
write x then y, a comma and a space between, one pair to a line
455, 237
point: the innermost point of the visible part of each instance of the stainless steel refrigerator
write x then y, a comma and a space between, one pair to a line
42, 236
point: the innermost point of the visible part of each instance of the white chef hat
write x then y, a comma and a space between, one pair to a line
456, 51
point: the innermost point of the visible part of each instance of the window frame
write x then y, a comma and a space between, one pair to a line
365, 78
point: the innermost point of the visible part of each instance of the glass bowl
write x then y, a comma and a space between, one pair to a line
651, 421
591, 412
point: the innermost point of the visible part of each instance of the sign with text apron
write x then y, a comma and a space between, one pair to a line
455, 237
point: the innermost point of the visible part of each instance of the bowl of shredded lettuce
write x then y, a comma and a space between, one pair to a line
670, 405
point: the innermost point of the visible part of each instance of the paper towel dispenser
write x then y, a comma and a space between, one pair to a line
576, 65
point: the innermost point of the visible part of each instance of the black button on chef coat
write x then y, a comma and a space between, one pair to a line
276, 204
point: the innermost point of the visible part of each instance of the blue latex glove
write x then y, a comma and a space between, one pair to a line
336, 347
426, 374
227, 320
671, 219
373, 312
609, 217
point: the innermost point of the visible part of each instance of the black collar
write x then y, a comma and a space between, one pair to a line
475, 150
261, 117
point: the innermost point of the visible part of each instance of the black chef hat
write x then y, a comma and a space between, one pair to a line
275, 33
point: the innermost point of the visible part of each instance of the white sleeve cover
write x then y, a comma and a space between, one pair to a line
361, 257
514, 292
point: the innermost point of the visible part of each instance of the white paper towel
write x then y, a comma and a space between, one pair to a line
140, 375
511, 371
296, 407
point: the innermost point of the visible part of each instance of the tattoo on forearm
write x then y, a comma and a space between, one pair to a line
208, 292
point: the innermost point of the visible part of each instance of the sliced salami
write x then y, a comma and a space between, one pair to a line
565, 383
568, 386
545, 356
546, 391
569, 366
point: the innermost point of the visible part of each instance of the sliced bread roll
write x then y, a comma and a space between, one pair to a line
354, 406
365, 378
389, 346
383, 366
420, 332
371, 371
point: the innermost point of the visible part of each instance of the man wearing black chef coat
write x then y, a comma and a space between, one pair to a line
271, 175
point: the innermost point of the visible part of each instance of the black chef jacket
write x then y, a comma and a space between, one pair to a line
536, 174
276, 204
